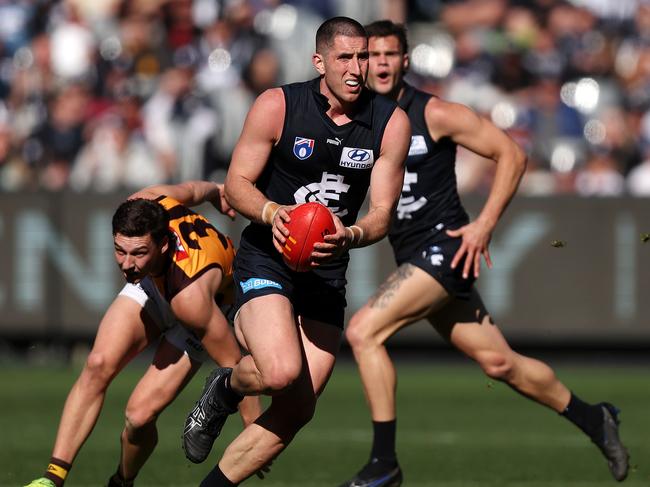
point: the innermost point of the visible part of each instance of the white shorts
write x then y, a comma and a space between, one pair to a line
147, 295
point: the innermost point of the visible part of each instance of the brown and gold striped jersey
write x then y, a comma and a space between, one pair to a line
199, 246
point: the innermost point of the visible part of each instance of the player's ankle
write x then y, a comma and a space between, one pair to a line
587, 417
228, 395
117, 480
57, 471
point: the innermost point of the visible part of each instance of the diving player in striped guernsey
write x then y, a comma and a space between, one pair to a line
438, 252
178, 269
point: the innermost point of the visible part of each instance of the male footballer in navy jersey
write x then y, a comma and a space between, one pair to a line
438, 252
328, 140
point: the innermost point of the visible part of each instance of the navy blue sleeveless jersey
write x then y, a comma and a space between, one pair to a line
429, 194
316, 160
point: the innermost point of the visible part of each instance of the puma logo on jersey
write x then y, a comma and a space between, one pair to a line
355, 158
335, 141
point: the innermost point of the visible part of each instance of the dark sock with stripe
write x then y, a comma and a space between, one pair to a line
383, 443
216, 478
587, 417
57, 471
230, 397
118, 481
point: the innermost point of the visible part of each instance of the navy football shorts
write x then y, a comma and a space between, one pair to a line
434, 256
313, 296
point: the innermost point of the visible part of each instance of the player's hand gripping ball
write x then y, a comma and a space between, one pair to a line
310, 222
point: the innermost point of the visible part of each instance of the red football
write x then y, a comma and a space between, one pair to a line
310, 222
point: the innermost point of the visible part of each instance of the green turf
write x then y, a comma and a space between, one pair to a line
456, 429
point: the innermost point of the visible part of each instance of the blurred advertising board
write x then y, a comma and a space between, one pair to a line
567, 270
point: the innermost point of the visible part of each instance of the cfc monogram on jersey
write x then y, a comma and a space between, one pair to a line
408, 204
327, 191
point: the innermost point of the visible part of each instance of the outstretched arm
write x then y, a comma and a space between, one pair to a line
190, 193
481, 136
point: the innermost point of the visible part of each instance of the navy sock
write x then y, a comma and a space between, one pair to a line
230, 397
118, 481
216, 478
383, 444
587, 417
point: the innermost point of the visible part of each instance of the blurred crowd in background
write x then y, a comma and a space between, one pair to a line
107, 95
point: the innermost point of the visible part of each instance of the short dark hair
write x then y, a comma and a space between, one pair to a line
139, 217
386, 28
337, 26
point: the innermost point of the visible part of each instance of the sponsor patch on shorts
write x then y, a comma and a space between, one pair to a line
355, 158
258, 283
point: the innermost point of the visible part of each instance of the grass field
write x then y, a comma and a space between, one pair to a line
455, 429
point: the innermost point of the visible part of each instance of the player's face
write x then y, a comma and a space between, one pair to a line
137, 257
387, 65
344, 66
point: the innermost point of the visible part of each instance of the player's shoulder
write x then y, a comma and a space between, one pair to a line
167, 202
271, 98
397, 134
443, 114
266, 117
418, 94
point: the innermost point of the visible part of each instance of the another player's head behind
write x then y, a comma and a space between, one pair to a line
140, 237
389, 61
341, 58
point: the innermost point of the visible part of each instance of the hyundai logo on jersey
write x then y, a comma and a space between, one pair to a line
302, 148
355, 158
358, 155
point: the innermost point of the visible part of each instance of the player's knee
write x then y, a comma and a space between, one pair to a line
280, 375
97, 372
358, 333
497, 366
139, 423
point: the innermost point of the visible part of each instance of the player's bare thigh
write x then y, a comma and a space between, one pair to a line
407, 295
170, 371
267, 328
125, 330
467, 325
